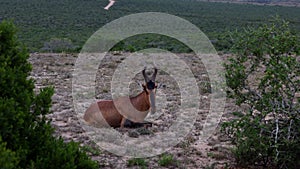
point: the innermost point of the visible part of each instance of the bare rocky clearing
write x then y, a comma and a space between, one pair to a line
56, 70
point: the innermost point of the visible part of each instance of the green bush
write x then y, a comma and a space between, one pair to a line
264, 77
26, 134
8, 158
137, 162
167, 160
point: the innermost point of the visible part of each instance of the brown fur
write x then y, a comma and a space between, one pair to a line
104, 113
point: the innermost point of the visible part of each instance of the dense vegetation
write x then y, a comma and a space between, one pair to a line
263, 2
43, 22
263, 78
26, 136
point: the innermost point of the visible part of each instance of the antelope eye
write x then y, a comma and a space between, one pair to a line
150, 85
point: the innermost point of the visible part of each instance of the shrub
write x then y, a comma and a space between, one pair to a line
137, 162
167, 160
264, 77
59, 45
8, 159
26, 134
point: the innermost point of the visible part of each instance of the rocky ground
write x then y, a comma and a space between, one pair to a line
56, 70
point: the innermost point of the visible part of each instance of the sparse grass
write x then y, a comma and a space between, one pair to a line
144, 131
217, 156
167, 160
186, 143
91, 150
137, 162
105, 90
47, 82
205, 87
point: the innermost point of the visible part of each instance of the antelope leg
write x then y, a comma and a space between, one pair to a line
123, 122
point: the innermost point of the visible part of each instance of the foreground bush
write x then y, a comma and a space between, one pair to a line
264, 77
26, 139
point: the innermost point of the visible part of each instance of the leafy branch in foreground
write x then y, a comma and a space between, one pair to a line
26, 136
264, 77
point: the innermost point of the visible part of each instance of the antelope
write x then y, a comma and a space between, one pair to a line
119, 112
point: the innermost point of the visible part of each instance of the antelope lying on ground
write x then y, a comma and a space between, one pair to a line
105, 112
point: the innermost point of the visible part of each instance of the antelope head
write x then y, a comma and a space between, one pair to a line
150, 88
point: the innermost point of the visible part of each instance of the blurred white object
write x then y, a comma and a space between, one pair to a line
111, 2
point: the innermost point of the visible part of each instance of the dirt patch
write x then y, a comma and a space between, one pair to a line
56, 70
